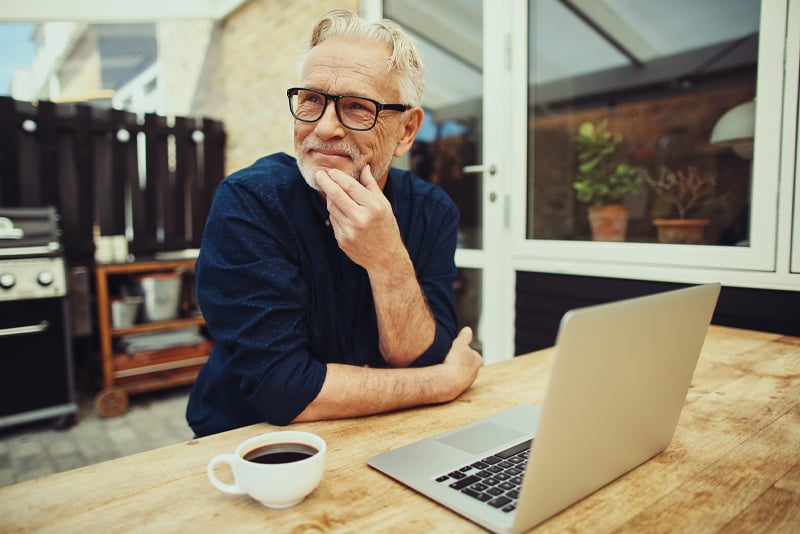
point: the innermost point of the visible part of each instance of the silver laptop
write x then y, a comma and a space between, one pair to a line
618, 382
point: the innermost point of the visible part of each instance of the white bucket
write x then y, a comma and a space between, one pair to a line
162, 295
124, 311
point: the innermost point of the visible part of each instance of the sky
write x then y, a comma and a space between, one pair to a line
16, 52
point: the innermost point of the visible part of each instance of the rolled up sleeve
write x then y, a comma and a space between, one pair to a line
432, 241
252, 296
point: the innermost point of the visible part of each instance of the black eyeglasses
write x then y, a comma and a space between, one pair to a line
354, 112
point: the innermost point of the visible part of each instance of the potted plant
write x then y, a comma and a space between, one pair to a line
681, 190
602, 182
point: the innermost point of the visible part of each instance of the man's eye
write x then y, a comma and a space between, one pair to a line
310, 99
357, 106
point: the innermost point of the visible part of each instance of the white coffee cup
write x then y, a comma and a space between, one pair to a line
278, 469
119, 248
103, 250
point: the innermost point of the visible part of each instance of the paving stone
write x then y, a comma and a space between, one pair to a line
28, 458
6, 476
65, 462
60, 445
149, 430
24, 445
126, 439
180, 428
30, 466
36, 450
64, 453
94, 443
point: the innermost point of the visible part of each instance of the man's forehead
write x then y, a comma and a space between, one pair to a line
349, 67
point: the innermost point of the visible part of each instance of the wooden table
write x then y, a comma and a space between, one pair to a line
734, 464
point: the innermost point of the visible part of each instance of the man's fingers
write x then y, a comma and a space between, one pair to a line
344, 180
368, 180
333, 210
326, 183
465, 335
342, 188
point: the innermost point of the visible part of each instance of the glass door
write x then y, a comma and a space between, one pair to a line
791, 135
665, 110
462, 147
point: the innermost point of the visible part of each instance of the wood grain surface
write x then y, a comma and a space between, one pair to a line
733, 465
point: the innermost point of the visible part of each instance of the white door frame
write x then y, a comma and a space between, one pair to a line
496, 322
500, 60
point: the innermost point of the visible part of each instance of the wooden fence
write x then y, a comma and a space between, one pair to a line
147, 177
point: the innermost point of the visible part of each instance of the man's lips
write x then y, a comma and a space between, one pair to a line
330, 157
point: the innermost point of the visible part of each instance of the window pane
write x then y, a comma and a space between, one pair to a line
658, 77
449, 36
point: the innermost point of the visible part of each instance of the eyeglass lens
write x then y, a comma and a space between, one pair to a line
354, 112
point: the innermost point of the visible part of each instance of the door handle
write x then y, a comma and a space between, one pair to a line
20, 330
479, 168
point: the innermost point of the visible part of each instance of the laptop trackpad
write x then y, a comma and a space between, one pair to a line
481, 437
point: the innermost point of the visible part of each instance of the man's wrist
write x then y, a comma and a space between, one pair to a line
393, 274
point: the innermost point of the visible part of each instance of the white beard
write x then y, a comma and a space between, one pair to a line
308, 170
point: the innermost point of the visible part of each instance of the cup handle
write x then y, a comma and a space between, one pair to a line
222, 486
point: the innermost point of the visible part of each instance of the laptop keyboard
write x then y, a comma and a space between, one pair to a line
494, 480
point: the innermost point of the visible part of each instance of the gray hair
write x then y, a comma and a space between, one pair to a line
405, 58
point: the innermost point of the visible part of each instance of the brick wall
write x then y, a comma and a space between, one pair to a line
251, 60
79, 75
235, 70
183, 53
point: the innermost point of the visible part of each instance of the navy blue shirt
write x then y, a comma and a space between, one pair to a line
281, 299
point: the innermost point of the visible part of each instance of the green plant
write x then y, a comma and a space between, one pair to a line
682, 189
601, 179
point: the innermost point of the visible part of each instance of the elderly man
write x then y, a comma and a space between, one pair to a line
327, 281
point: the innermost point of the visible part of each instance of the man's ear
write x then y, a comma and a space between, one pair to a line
412, 124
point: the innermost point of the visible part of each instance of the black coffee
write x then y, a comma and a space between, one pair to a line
280, 453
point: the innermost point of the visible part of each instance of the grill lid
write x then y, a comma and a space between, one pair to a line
29, 227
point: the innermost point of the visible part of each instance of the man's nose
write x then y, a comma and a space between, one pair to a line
329, 124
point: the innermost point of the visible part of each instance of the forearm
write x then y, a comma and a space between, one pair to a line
352, 391
406, 327
366, 229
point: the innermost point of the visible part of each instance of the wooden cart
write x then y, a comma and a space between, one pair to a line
124, 373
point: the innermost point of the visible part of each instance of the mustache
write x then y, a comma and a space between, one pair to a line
345, 148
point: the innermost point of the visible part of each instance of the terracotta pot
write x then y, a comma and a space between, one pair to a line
609, 223
682, 231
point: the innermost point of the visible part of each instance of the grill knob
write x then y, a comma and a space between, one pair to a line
45, 278
7, 280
